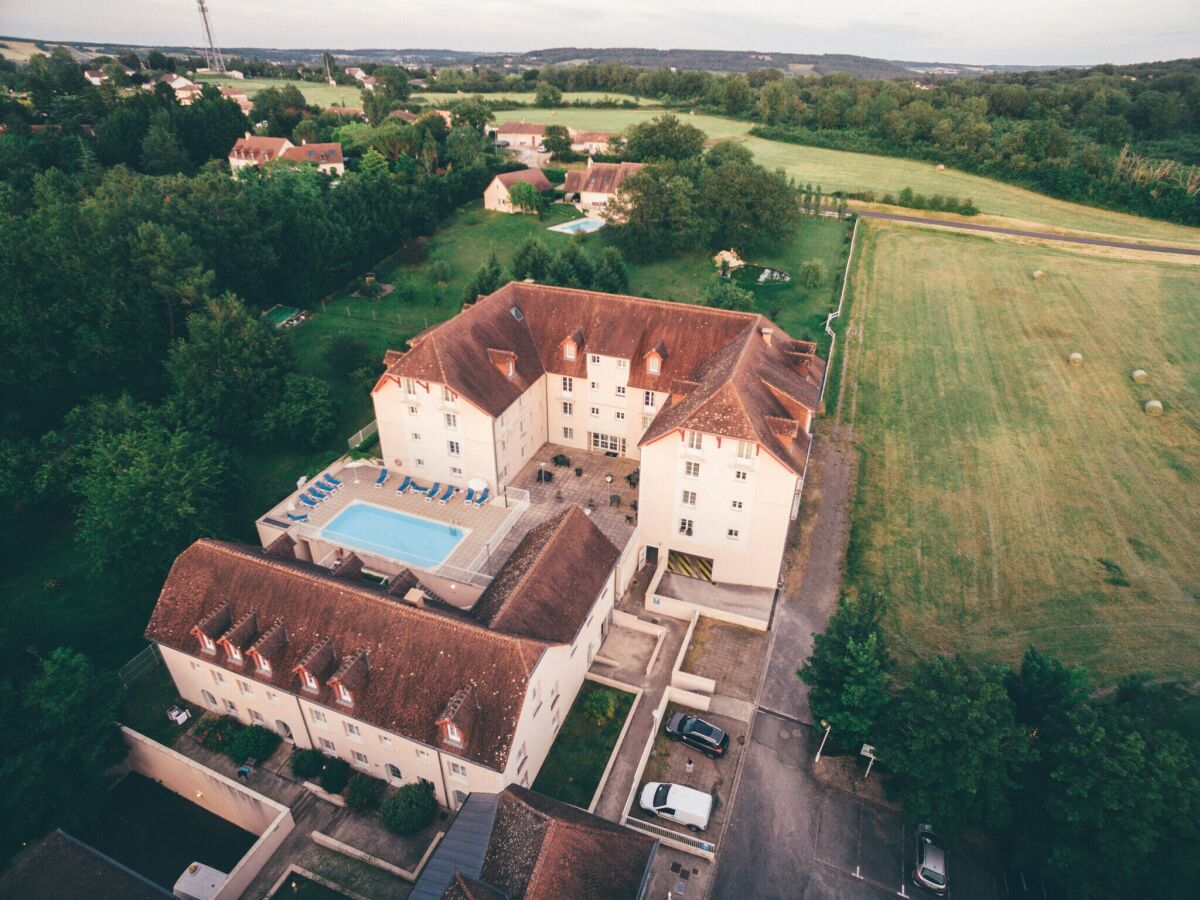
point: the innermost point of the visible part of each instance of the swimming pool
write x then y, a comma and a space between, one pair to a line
396, 535
578, 226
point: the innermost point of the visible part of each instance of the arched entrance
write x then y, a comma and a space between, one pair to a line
284, 730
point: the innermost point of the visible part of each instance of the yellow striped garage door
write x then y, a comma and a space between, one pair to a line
689, 565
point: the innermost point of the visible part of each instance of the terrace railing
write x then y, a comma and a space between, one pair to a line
517, 500
146, 661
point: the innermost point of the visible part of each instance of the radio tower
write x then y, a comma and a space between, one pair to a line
212, 55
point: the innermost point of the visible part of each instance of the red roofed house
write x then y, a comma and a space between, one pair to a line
596, 185
390, 677
590, 142
255, 150
716, 405
521, 134
495, 196
326, 157
95, 76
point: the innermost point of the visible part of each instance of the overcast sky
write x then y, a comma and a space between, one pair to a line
979, 31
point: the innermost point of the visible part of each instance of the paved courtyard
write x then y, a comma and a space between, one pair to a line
731, 655
739, 599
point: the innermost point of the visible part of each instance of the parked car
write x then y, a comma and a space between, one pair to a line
678, 803
541, 148
695, 732
501, 143
930, 869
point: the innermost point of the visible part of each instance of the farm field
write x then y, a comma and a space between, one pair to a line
433, 98
1006, 498
838, 170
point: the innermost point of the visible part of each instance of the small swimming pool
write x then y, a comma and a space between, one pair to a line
393, 534
585, 225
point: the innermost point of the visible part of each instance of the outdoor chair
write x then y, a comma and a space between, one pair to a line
405, 484
336, 482
311, 504
614, 500
324, 485
446, 494
484, 497
382, 479
303, 517
470, 498
432, 492
314, 494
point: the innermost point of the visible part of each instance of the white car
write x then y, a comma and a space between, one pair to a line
678, 803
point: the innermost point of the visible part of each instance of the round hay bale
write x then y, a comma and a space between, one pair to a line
1039, 275
1153, 408
1075, 359
941, 168
1140, 376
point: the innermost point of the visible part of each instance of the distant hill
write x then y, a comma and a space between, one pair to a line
711, 60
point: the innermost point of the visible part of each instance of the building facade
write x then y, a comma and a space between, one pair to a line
716, 405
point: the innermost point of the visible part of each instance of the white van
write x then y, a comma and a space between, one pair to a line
681, 804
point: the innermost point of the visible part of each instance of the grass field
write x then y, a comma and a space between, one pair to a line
836, 170
1007, 498
576, 761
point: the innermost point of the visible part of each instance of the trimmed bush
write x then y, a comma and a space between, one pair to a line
409, 809
335, 775
363, 793
307, 763
600, 705
216, 733
252, 741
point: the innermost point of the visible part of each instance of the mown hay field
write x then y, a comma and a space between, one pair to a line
1005, 497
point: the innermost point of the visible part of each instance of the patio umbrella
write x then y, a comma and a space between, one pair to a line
477, 484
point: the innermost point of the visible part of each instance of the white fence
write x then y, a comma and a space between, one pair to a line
362, 434
837, 312
517, 500
146, 661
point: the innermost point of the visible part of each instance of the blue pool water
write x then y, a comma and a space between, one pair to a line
579, 226
396, 535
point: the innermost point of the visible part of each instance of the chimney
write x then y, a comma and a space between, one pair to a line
247, 134
767, 334
303, 142
415, 596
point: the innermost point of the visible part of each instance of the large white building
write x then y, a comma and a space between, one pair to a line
391, 678
716, 405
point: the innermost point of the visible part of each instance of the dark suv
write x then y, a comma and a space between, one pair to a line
930, 869
708, 739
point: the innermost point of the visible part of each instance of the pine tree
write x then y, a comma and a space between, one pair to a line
487, 280
530, 261
864, 693
611, 274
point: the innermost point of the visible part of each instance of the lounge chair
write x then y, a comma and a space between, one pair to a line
432, 492
307, 501
315, 491
415, 488
336, 482
382, 479
325, 485
470, 498
405, 484
483, 498
447, 494
303, 517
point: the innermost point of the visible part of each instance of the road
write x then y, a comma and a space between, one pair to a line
1017, 232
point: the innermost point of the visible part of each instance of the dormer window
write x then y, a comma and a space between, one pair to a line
453, 734
264, 665
309, 681
569, 350
207, 644
653, 365
511, 369
344, 695
235, 655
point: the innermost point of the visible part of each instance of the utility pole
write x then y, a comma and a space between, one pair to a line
212, 55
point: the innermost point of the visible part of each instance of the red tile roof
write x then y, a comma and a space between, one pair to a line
520, 128
536, 177
550, 583
736, 381
320, 154
543, 849
416, 659
258, 148
606, 178
592, 137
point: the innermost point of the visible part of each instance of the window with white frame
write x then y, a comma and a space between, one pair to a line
595, 385
420, 462
453, 734
620, 390
456, 470
231, 706
522, 757
416, 436
448, 395
256, 717
264, 665
568, 350
646, 420
594, 412
652, 364
732, 534
695, 440
568, 384
360, 758
385, 741
689, 498
235, 655
648, 399
451, 420
328, 745
554, 720
735, 504
218, 677
619, 416
318, 717
245, 689
595, 359
568, 408
691, 469
207, 644
622, 364
352, 731
208, 697
453, 447
741, 476
568, 433
422, 753
273, 697
745, 450
458, 770
412, 410
410, 387
393, 772
310, 680
686, 526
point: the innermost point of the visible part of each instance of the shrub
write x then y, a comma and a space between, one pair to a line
252, 741
303, 414
347, 352
216, 733
363, 793
335, 775
726, 295
307, 763
812, 272
409, 809
600, 705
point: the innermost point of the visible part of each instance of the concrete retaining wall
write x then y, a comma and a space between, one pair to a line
335, 799
612, 757
633, 623
409, 875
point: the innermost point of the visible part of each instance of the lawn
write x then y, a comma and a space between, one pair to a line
1006, 498
144, 707
837, 170
436, 99
577, 760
